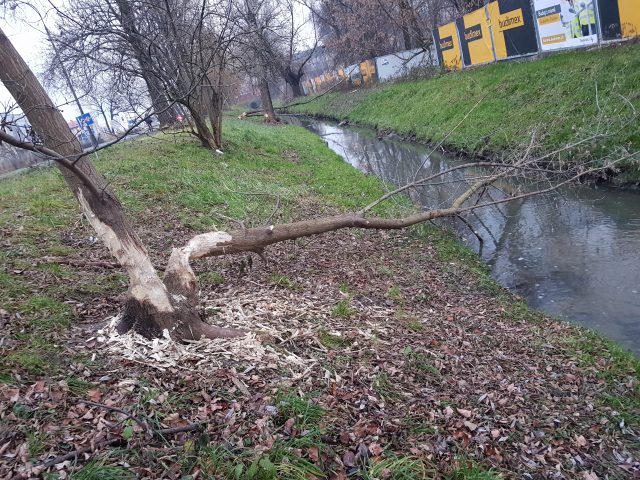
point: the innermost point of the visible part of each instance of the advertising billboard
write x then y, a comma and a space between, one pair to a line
512, 27
565, 23
619, 18
448, 46
475, 38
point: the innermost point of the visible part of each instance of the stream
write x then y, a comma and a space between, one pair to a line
572, 253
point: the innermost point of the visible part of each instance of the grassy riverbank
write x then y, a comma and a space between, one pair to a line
377, 355
562, 98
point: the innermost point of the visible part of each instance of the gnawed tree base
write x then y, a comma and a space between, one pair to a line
185, 322
179, 312
173, 305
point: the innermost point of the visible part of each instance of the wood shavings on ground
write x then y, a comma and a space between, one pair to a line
200, 356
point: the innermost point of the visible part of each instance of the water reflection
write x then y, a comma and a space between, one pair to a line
572, 253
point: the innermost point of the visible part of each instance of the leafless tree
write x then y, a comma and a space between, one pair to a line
171, 303
178, 47
293, 58
361, 29
259, 22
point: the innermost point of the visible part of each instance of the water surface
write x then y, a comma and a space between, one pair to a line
573, 253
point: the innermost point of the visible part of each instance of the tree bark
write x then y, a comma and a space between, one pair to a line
215, 116
152, 307
106, 121
164, 110
161, 105
293, 79
267, 104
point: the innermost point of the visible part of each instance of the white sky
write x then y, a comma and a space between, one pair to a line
27, 35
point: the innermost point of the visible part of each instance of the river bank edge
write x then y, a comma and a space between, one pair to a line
561, 97
293, 154
612, 181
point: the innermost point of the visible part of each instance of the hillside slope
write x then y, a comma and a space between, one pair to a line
369, 354
562, 98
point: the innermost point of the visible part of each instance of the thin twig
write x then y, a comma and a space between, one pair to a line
275, 210
38, 469
142, 423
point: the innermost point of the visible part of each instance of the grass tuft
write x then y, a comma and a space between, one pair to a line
343, 309
304, 411
331, 340
98, 470
399, 468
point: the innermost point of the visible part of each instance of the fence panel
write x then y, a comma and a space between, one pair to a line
566, 23
475, 38
399, 64
512, 28
619, 18
448, 46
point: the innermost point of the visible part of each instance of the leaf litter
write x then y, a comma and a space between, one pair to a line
440, 372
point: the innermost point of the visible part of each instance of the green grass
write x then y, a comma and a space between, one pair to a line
280, 462
395, 293
343, 309
555, 96
384, 387
283, 460
78, 387
419, 363
614, 366
304, 411
280, 280
211, 278
474, 472
331, 340
97, 470
399, 468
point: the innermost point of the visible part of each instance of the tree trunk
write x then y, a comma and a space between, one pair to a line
293, 80
106, 121
267, 104
153, 306
215, 114
199, 119
161, 106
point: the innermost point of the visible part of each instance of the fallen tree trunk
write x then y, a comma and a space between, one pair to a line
152, 307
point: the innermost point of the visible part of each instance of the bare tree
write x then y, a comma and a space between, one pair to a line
358, 29
178, 47
259, 22
171, 304
293, 59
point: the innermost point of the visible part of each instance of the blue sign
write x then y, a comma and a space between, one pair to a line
84, 120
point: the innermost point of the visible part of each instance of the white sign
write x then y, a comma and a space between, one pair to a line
565, 23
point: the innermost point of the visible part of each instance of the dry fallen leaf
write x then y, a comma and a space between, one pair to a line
465, 413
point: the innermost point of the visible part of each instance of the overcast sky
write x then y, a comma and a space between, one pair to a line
27, 35
27, 40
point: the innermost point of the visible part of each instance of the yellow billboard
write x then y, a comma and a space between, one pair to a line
448, 46
629, 17
368, 71
512, 28
475, 38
